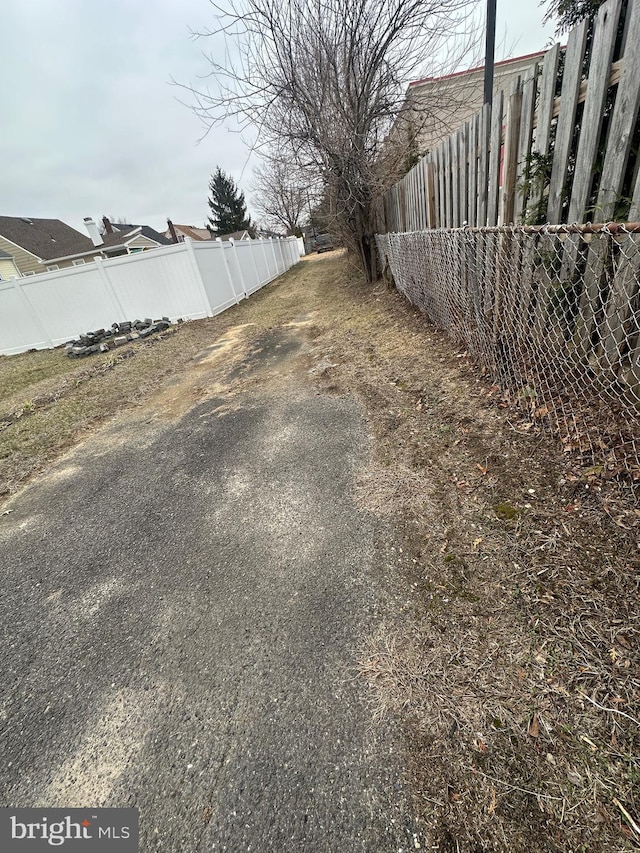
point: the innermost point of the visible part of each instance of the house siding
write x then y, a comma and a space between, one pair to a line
142, 242
449, 102
88, 259
8, 268
25, 261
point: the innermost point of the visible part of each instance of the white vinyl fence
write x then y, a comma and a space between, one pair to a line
189, 280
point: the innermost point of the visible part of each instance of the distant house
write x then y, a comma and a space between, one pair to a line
136, 238
35, 244
182, 231
235, 235
437, 106
8, 268
46, 245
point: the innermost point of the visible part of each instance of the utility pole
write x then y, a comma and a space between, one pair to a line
490, 46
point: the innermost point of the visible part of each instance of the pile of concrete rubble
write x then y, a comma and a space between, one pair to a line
103, 340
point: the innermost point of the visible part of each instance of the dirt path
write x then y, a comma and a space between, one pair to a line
504, 575
186, 595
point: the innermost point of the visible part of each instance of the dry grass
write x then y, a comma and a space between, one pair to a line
49, 401
510, 646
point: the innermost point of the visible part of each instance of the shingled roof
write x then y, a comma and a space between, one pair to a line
193, 232
44, 238
145, 230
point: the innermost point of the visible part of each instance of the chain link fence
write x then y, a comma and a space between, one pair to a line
550, 313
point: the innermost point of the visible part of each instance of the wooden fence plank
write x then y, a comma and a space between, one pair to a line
624, 289
545, 285
625, 113
422, 189
411, 218
463, 165
546, 101
634, 213
514, 110
433, 162
571, 78
424, 215
442, 215
606, 25
484, 130
432, 187
417, 185
472, 149
544, 112
455, 180
446, 170
525, 140
530, 260
598, 262
494, 160
406, 182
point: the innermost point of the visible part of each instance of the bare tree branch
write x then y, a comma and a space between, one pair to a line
281, 193
326, 79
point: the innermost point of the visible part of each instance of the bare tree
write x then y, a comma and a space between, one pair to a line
326, 78
280, 194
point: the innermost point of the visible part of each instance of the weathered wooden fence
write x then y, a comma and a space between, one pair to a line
564, 352
551, 311
556, 148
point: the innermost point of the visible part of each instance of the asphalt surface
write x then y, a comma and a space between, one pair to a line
182, 606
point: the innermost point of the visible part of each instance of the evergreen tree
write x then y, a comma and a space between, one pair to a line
228, 209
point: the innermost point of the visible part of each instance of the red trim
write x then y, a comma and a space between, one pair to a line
477, 68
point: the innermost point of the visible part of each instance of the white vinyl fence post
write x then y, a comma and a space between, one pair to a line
32, 312
235, 253
226, 266
197, 275
254, 249
266, 263
275, 257
109, 288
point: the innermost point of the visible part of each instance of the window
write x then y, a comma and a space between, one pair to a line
31, 272
53, 268
78, 263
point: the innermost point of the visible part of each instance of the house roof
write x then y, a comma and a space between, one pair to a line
193, 232
145, 230
501, 64
44, 238
235, 235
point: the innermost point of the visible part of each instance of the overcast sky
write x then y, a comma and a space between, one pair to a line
91, 124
